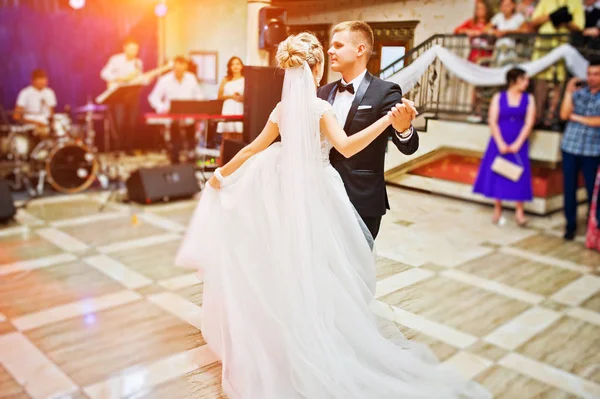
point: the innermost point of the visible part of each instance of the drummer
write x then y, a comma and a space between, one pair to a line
36, 102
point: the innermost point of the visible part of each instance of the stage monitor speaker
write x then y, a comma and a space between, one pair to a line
230, 148
262, 92
7, 205
272, 27
162, 184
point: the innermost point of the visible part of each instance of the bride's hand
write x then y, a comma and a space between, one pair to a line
389, 118
403, 115
214, 182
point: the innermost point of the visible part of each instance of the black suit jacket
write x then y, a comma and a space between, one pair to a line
363, 173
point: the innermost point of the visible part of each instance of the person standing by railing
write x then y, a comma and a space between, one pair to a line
508, 21
511, 119
581, 141
552, 17
591, 32
475, 28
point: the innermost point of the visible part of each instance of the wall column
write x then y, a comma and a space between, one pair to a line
255, 56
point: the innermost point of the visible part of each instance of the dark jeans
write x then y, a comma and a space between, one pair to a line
373, 224
125, 116
572, 165
182, 137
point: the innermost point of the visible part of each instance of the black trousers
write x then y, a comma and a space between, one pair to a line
373, 224
572, 166
125, 117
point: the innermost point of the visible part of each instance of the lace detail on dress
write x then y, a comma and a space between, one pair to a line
326, 146
325, 149
321, 106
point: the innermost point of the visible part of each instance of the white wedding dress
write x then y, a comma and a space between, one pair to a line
289, 277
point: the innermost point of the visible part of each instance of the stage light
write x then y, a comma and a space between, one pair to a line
77, 4
160, 10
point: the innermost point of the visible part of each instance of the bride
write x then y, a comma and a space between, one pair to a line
288, 274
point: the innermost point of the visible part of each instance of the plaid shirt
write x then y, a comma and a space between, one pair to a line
580, 139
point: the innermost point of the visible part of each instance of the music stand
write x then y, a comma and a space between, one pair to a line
119, 95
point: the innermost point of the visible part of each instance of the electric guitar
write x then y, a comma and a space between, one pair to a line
141, 79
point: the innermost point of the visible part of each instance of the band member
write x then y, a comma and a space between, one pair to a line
121, 69
36, 102
178, 84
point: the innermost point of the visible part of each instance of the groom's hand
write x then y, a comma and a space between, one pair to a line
403, 115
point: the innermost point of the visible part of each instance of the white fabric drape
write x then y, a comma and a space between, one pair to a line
484, 76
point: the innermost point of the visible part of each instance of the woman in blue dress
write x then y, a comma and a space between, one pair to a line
511, 119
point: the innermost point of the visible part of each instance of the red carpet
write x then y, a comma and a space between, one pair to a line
463, 169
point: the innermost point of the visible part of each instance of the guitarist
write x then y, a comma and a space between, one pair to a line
121, 69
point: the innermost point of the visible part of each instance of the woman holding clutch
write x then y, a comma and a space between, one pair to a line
505, 171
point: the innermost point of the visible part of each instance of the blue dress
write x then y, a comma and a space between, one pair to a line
492, 185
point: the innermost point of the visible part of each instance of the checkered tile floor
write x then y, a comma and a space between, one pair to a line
91, 305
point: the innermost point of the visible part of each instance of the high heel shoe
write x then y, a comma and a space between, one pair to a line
496, 219
523, 222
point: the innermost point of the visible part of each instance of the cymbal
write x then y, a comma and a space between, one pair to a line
91, 108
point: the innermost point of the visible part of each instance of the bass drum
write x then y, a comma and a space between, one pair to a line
71, 167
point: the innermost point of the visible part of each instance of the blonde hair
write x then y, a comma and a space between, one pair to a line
358, 27
293, 51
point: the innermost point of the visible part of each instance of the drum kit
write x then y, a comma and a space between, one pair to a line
61, 153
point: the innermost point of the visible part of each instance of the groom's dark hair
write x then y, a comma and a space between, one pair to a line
358, 27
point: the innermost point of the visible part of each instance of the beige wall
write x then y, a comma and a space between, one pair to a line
220, 25
434, 16
215, 25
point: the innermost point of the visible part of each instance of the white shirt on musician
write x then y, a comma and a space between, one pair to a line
343, 102
37, 104
168, 88
119, 67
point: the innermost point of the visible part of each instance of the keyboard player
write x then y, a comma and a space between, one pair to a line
178, 84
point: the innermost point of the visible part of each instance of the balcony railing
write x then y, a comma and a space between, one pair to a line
440, 93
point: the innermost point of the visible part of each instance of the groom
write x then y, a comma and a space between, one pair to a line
358, 100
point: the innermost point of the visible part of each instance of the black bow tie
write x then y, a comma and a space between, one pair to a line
342, 87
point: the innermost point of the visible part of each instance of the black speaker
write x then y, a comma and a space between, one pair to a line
262, 92
272, 27
7, 205
162, 184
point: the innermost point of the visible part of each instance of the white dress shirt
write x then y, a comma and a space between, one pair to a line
168, 88
119, 66
37, 104
343, 102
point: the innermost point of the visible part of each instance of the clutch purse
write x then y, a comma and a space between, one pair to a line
506, 168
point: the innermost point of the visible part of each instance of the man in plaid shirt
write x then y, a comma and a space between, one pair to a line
581, 141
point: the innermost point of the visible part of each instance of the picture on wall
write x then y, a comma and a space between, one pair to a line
205, 63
